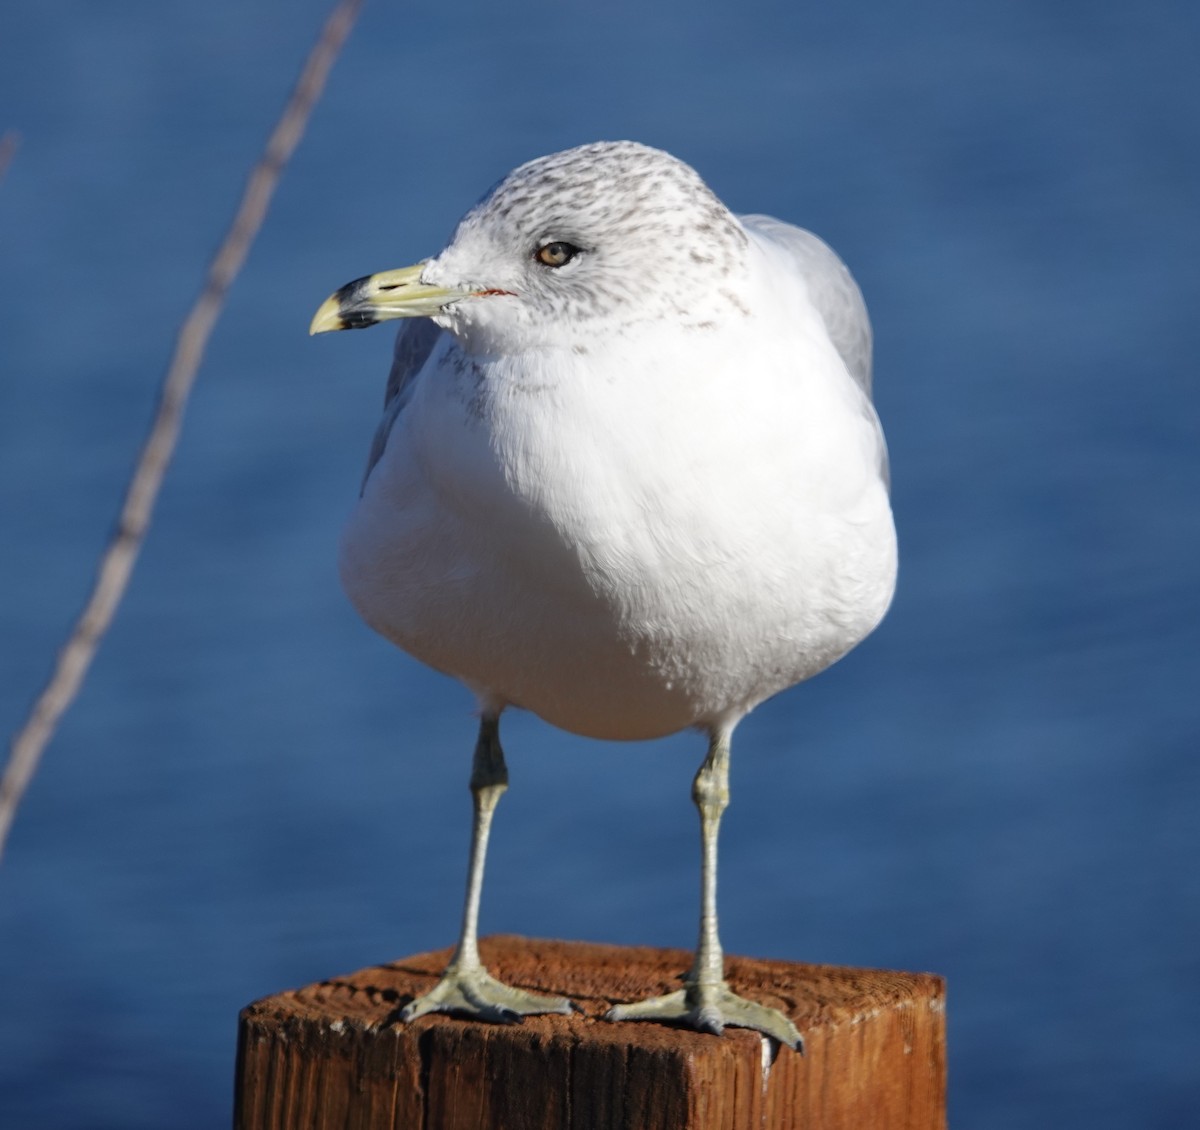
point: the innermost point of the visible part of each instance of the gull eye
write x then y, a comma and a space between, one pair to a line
556, 254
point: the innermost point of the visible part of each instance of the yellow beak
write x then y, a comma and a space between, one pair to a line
377, 298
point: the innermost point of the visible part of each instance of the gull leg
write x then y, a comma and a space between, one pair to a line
706, 1001
466, 986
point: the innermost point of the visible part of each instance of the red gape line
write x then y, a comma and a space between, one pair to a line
484, 293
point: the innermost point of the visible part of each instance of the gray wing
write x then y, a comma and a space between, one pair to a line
832, 289
840, 303
414, 344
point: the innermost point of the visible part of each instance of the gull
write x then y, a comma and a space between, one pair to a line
629, 477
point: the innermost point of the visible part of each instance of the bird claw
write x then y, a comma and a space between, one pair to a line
476, 993
711, 1008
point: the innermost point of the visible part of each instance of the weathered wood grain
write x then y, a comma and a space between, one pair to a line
329, 1056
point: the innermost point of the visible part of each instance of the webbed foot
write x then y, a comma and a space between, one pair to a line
475, 992
710, 1008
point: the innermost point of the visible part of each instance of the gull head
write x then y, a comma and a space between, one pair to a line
592, 239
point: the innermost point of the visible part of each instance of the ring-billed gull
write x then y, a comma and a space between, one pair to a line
628, 477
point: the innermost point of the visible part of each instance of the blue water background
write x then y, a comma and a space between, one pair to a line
254, 792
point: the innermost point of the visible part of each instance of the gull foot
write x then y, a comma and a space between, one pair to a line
710, 1008
475, 992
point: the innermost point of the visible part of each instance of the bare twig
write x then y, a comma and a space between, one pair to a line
119, 557
9, 142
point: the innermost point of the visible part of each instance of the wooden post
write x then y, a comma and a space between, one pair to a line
327, 1056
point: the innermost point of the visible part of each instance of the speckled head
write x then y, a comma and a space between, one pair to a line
612, 231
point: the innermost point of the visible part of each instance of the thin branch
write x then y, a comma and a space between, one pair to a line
10, 141
119, 557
